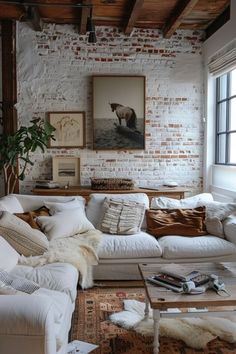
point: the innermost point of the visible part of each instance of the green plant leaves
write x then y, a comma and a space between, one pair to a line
21, 143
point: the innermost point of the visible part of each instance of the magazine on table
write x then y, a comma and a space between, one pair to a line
179, 272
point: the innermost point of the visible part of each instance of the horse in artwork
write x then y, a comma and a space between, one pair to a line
126, 113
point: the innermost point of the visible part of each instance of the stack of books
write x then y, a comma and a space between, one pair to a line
44, 183
174, 277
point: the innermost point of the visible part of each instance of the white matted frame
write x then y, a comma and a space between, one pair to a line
70, 129
66, 170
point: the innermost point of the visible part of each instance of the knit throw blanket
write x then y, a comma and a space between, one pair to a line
79, 250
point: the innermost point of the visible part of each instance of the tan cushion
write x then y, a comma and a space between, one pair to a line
21, 236
30, 216
184, 222
122, 218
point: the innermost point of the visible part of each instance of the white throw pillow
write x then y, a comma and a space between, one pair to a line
55, 207
64, 224
186, 203
21, 236
10, 203
8, 255
122, 218
95, 207
220, 210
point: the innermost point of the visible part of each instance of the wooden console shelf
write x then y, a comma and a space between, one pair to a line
171, 192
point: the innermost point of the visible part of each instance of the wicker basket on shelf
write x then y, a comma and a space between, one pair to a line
112, 183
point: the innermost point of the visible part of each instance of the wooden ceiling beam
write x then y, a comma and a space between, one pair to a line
133, 16
218, 22
33, 17
183, 8
83, 20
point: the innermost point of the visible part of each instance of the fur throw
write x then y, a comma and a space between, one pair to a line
196, 332
79, 250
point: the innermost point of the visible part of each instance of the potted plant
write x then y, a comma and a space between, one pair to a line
18, 146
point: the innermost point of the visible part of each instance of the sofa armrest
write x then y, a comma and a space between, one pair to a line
27, 325
229, 225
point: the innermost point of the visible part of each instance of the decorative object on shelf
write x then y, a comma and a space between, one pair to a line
70, 129
112, 183
66, 170
118, 112
18, 146
46, 183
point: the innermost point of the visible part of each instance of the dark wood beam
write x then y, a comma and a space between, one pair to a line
133, 16
33, 17
85, 13
219, 22
183, 8
9, 88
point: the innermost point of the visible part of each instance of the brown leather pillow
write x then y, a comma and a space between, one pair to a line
184, 222
30, 216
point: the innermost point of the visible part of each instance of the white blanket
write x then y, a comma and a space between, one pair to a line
195, 332
79, 250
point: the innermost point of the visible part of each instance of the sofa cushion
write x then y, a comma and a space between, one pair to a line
229, 225
186, 203
65, 223
62, 277
21, 236
95, 208
10, 203
122, 218
74, 203
178, 247
184, 222
215, 211
140, 245
8, 255
30, 216
32, 202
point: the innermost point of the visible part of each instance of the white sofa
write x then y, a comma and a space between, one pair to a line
37, 323
30, 325
119, 256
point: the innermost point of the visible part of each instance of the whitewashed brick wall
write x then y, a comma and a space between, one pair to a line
55, 68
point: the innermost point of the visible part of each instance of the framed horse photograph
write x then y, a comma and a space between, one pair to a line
118, 112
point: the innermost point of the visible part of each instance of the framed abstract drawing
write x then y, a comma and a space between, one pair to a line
70, 129
66, 170
118, 112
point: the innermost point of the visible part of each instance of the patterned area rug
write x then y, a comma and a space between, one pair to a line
91, 324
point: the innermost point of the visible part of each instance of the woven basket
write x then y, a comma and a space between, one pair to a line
112, 183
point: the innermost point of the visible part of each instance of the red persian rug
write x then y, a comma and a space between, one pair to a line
91, 324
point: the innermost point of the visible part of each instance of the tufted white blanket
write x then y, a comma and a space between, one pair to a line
196, 332
79, 250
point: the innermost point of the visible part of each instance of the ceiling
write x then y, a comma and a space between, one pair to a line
167, 15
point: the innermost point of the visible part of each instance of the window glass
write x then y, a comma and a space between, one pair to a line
233, 83
222, 117
221, 148
222, 87
232, 148
232, 114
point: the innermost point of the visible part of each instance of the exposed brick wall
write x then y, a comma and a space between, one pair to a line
55, 69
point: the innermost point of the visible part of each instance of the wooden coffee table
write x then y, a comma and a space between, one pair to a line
162, 299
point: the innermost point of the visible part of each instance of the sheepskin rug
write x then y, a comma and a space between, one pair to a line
196, 332
79, 250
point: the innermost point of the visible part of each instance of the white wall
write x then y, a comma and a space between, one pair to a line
217, 179
55, 69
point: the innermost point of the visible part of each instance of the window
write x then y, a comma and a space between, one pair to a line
226, 119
